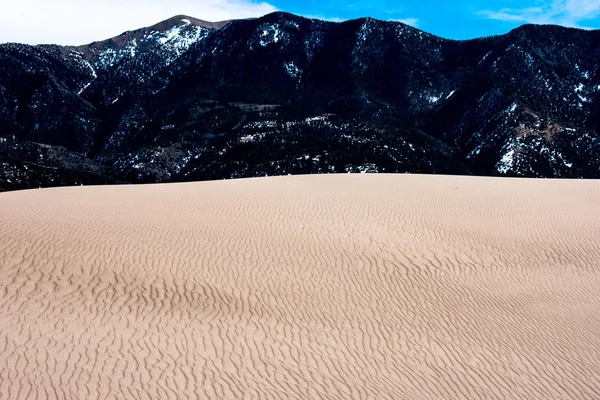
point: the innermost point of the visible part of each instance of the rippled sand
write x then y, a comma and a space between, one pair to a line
308, 287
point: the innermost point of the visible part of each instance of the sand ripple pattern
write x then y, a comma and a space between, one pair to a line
308, 287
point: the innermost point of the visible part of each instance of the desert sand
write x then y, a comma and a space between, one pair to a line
305, 287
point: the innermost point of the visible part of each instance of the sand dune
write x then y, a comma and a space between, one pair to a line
308, 287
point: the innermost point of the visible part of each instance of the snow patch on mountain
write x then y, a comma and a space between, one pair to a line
109, 57
180, 38
78, 57
292, 70
485, 57
434, 99
270, 34
80, 91
174, 42
131, 47
507, 161
584, 98
364, 31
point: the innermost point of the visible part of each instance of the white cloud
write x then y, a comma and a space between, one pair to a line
84, 21
561, 12
408, 21
582, 9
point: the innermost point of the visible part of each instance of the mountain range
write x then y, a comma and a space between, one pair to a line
187, 99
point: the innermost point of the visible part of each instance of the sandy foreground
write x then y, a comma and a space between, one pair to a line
307, 287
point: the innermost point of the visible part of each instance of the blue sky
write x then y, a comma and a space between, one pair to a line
459, 19
83, 21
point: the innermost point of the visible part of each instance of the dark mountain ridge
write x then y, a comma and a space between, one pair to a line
188, 100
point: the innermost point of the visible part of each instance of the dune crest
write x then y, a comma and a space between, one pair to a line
306, 287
